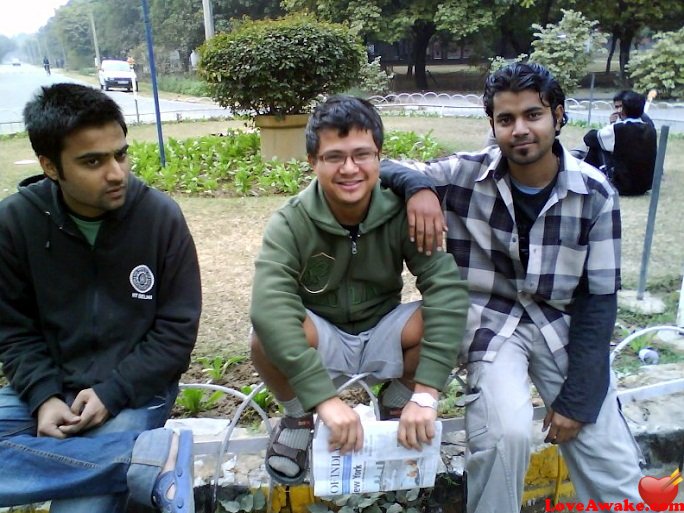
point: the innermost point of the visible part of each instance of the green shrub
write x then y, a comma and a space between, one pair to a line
567, 48
409, 145
661, 67
279, 67
373, 79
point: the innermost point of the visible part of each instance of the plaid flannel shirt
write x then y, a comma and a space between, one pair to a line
574, 242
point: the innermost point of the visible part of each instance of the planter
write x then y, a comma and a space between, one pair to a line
282, 137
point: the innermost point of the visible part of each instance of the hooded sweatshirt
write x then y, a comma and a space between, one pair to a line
308, 260
120, 316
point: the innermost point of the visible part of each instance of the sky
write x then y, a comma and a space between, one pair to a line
26, 16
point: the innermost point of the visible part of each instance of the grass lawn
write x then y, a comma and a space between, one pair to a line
228, 231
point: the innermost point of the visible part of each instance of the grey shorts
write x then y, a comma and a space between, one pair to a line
376, 351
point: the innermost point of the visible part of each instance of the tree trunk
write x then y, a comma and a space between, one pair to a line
625, 47
546, 13
422, 32
613, 41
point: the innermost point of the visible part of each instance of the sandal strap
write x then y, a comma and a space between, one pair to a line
299, 456
306, 422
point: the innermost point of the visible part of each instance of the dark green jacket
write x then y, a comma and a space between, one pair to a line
308, 260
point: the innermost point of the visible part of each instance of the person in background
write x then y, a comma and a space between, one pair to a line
617, 113
625, 149
100, 302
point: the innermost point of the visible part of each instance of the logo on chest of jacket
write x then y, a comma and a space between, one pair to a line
316, 273
142, 280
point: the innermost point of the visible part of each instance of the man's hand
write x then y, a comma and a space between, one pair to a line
561, 429
614, 116
426, 221
417, 423
91, 411
346, 432
53, 415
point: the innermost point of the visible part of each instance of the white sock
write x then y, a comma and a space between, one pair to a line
295, 438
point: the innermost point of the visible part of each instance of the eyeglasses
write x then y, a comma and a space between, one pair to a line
360, 158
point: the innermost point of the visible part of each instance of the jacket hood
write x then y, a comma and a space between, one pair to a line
44, 194
384, 205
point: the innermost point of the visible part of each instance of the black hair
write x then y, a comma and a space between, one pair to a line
620, 95
343, 113
58, 110
520, 76
633, 104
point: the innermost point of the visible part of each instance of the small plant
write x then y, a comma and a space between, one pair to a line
247, 502
401, 501
217, 366
448, 404
197, 400
409, 145
263, 398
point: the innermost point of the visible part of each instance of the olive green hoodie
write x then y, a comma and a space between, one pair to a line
308, 260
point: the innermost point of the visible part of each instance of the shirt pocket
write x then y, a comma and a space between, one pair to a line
566, 264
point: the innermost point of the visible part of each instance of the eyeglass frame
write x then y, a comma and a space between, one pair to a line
324, 158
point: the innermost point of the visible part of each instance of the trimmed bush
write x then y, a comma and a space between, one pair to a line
280, 67
661, 67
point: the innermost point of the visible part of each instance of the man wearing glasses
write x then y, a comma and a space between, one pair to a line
326, 299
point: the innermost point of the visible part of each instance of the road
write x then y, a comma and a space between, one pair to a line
19, 83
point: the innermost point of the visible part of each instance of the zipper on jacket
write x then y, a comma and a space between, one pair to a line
354, 237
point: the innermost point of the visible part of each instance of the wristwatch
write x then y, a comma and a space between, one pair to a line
424, 399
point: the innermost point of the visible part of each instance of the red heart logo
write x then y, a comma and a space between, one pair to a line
658, 493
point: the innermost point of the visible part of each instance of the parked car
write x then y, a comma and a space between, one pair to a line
117, 74
16, 62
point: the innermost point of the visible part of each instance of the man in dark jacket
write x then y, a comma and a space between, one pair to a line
626, 149
99, 309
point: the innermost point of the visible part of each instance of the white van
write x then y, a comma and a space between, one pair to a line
117, 74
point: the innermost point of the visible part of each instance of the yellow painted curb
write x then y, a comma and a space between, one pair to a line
540, 483
292, 499
542, 474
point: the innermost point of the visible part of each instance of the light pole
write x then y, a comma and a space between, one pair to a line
208, 19
97, 47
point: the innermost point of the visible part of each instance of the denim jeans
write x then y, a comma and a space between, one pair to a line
90, 473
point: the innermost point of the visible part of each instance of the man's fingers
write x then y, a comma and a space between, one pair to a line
412, 225
50, 430
420, 236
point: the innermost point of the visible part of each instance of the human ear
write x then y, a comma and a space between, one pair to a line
49, 168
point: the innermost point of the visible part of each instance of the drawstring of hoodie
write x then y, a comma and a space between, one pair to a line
48, 241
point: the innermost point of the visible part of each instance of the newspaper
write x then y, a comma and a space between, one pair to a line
381, 465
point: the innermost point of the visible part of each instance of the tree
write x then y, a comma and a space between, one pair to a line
167, 16
661, 67
567, 48
418, 20
625, 19
6, 46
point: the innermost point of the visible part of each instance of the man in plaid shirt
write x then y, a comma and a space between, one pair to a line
536, 233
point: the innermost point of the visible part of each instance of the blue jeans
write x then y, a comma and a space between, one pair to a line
90, 473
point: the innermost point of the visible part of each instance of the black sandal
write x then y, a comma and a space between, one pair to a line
298, 456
